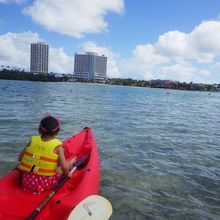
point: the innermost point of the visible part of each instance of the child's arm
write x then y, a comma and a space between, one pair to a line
20, 156
62, 160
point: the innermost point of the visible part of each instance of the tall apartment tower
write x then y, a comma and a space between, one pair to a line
90, 67
39, 58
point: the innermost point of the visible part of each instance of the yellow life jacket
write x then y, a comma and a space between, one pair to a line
39, 157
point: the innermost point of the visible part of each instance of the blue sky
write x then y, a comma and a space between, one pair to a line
143, 39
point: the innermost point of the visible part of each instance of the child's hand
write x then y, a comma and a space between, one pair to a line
71, 165
73, 160
69, 174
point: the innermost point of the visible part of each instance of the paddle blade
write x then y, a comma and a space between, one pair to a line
92, 208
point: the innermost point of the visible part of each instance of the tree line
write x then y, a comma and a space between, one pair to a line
18, 74
172, 85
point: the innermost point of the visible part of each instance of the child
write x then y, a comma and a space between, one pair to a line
40, 158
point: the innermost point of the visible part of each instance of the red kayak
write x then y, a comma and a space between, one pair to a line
15, 204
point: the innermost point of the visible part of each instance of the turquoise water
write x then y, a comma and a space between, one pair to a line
159, 153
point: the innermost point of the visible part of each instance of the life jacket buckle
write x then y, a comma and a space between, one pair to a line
36, 168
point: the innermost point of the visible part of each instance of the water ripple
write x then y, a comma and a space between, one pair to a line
159, 154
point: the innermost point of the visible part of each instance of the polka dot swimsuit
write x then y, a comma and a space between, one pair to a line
36, 183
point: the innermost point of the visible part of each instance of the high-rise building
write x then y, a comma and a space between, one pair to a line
39, 58
90, 67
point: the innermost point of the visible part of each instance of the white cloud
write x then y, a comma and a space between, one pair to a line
206, 37
60, 62
73, 17
148, 54
179, 56
183, 70
15, 52
197, 45
15, 48
214, 72
173, 44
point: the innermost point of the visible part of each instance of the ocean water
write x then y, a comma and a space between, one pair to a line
159, 153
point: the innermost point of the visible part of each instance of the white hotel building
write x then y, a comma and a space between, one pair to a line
90, 67
39, 58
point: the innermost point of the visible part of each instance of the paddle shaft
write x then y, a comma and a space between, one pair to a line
46, 200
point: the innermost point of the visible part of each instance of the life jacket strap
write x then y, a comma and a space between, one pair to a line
32, 168
35, 168
41, 157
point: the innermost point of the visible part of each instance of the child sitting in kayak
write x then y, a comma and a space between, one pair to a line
40, 158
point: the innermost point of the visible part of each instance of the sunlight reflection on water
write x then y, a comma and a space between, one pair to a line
159, 154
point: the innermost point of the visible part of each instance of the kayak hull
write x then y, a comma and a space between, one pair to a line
15, 204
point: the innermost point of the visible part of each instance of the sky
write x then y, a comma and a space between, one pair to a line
143, 39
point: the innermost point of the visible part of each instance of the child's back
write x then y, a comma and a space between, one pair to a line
40, 158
